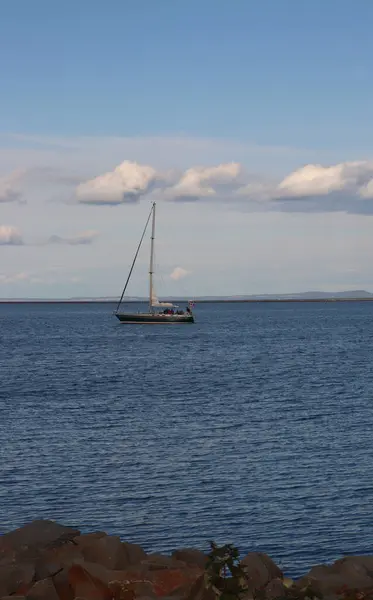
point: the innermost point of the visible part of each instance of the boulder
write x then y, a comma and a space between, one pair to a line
53, 560
107, 551
134, 553
346, 574
87, 538
43, 590
62, 585
16, 579
167, 581
201, 590
86, 585
155, 562
191, 556
123, 590
36, 535
259, 570
150, 583
275, 589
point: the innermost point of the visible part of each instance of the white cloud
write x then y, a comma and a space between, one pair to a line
84, 238
343, 187
203, 182
10, 236
316, 180
300, 232
126, 183
179, 273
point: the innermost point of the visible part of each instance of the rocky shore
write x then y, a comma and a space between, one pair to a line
47, 561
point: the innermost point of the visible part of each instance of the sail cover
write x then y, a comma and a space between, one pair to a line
156, 302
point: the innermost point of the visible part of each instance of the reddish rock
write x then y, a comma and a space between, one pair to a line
62, 585
161, 561
275, 589
97, 571
140, 587
165, 582
129, 591
107, 551
191, 556
346, 574
43, 590
16, 579
201, 590
259, 570
38, 534
87, 538
87, 586
53, 560
134, 553
150, 583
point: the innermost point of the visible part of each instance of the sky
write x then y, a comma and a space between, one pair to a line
249, 123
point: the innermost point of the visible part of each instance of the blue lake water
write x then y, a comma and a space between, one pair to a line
254, 426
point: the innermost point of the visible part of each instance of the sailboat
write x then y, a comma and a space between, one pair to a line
159, 312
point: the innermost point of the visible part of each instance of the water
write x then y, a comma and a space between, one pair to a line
252, 426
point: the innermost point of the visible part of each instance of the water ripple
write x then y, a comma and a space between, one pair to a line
253, 426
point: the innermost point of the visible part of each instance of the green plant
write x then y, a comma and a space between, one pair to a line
224, 572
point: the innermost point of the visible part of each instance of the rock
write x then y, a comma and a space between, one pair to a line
166, 581
150, 583
259, 570
191, 556
97, 571
87, 538
107, 551
61, 583
43, 590
127, 591
365, 562
134, 553
161, 561
349, 573
53, 560
86, 585
275, 589
38, 534
16, 579
201, 590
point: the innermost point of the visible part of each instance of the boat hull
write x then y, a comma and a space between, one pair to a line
153, 319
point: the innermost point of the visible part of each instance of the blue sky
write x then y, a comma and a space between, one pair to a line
271, 85
264, 70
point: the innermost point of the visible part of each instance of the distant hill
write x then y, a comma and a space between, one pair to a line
316, 295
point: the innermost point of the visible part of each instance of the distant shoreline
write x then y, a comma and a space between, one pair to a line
217, 301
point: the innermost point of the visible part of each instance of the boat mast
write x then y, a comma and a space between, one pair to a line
151, 267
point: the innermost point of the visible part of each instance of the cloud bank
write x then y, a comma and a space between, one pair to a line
342, 187
345, 187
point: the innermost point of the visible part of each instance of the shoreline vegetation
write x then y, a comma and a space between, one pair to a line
44, 560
